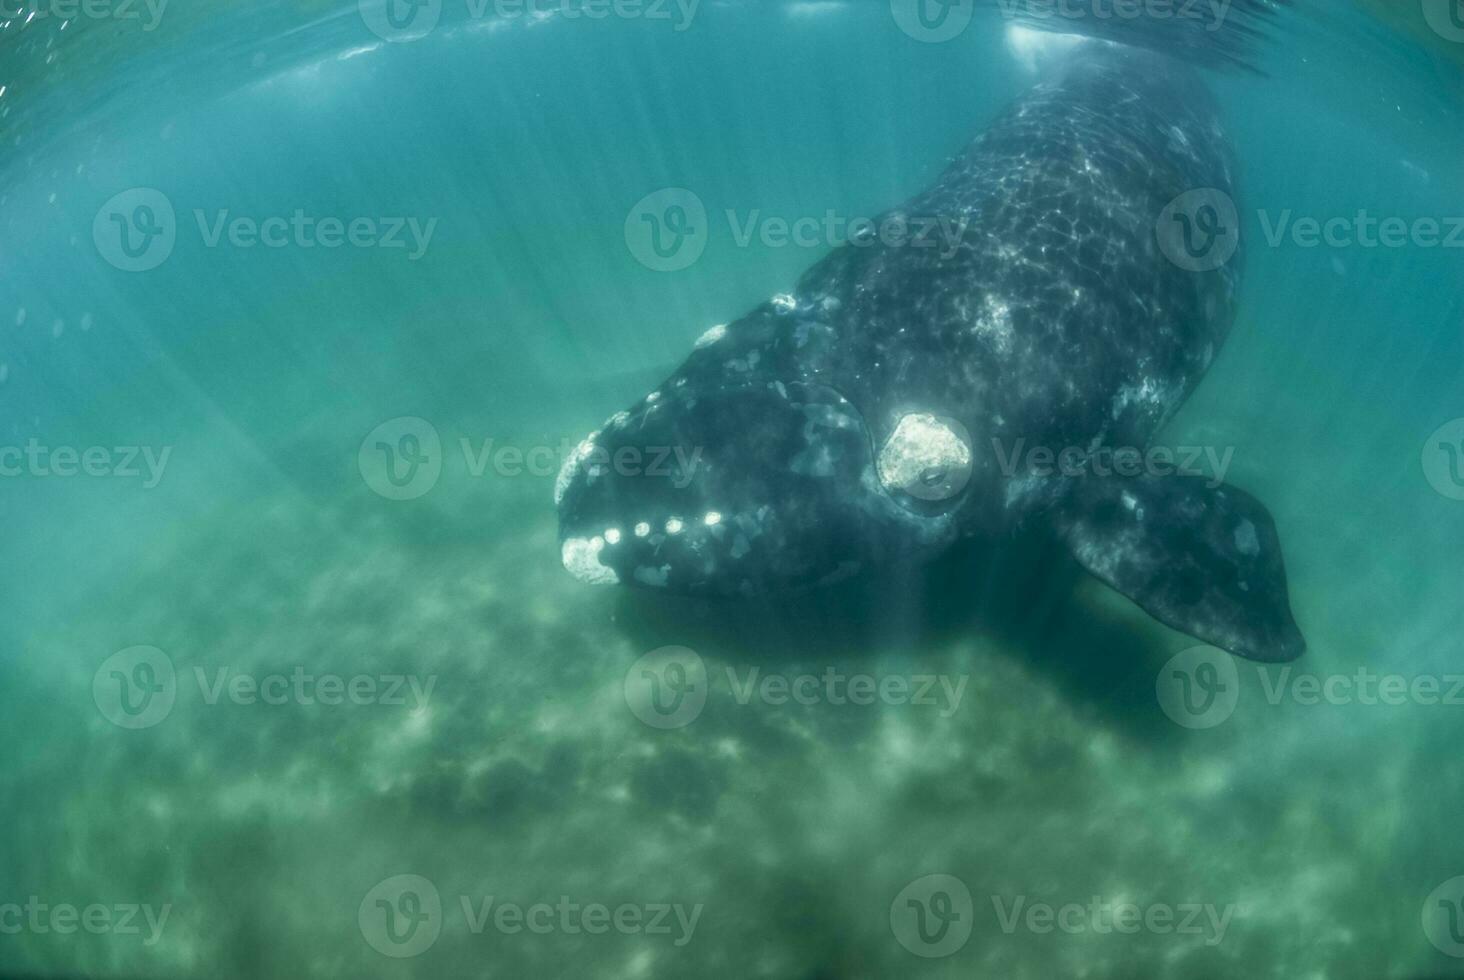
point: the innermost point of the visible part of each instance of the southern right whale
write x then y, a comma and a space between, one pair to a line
890, 404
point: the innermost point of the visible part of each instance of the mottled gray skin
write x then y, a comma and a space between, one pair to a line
1057, 322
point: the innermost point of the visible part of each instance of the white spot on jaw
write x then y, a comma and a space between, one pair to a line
581, 557
642, 529
612, 535
674, 526
712, 519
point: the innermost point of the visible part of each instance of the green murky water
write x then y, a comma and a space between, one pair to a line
273, 709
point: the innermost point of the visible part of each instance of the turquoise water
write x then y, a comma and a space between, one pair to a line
494, 749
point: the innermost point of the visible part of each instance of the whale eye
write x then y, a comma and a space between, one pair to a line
927, 457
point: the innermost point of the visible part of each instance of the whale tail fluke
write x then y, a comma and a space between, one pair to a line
1202, 558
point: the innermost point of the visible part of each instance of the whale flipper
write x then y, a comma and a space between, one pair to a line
1202, 559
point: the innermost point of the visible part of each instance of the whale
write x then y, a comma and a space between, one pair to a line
906, 395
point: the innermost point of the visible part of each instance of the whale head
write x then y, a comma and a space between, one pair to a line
746, 486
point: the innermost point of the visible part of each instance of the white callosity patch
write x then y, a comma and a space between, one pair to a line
1246, 539
581, 556
642, 529
571, 467
711, 336
925, 457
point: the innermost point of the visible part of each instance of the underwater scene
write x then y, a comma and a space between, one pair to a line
811, 489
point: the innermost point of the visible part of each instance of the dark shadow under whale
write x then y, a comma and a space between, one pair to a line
1024, 594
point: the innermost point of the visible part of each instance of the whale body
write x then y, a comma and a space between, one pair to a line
906, 394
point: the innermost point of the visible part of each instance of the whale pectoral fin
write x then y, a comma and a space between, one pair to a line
1202, 559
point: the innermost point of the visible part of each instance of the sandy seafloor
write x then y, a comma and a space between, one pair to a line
527, 777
